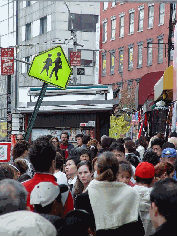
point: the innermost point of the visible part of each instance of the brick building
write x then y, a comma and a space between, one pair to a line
126, 31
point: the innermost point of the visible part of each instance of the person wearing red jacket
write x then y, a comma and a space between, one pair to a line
42, 156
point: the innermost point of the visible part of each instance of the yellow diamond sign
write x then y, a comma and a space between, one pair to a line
52, 67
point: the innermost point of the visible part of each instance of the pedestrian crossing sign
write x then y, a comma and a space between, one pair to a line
52, 67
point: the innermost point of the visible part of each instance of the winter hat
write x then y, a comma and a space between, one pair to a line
145, 170
169, 152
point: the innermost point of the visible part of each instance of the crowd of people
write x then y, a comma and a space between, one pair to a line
108, 187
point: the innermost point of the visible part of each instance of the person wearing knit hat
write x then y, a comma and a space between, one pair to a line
144, 175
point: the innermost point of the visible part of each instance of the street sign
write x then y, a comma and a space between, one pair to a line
75, 58
52, 67
7, 61
80, 71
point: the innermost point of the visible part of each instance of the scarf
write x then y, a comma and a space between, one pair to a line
113, 203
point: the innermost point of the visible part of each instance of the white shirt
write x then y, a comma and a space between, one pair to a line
61, 177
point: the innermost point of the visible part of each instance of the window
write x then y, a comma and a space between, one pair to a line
113, 28
122, 26
104, 31
174, 12
149, 52
150, 16
140, 20
43, 25
131, 23
160, 48
105, 6
161, 13
140, 54
27, 3
121, 58
25, 66
104, 64
130, 57
172, 48
112, 61
28, 31
114, 3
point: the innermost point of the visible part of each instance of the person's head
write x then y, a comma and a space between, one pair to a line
78, 139
59, 161
118, 150
144, 174
71, 167
64, 137
156, 145
42, 155
133, 159
84, 172
120, 140
77, 223
173, 140
55, 142
86, 139
108, 167
173, 134
15, 169
169, 155
168, 145
8, 171
50, 202
164, 202
13, 196
106, 142
142, 141
130, 147
151, 157
19, 137
21, 165
84, 155
163, 170
125, 172
20, 149
126, 139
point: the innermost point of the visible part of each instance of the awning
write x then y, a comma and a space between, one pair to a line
163, 89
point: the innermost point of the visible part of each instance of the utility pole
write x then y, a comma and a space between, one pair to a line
170, 34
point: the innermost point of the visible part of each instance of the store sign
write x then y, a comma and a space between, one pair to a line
7, 61
75, 58
91, 123
83, 124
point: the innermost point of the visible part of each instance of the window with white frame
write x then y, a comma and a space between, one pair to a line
105, 5
140, 54
25, 66
113, 27
161, 13
131, 23
43, 25
48, 23
121, 32
112, 61
114, 3
104, 64
35, 28
140, 19
130, 56
28, 31
174, 12
160, 48
149, 52
105, 31
150, 16
27, 3
121, 59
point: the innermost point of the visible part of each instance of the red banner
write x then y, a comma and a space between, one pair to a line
75, 58
7, 61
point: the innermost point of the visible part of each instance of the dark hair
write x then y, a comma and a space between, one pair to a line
124, 165
120, 140
142, 141
175, 165
84, 151
168, 145
162, 167
19, 148
173, 134
21, 165
65, 132
127, 139
79, 187
147, 138
151, 157
41, 154
157, 141
117, 146
76, 222
75, 160
93, 162
130, 145
93, 151
108, 167
144, 181
79, 135
7, 170
59, 161
106, 142
164, 195
56, 138
133, 159
48, 137
86, 139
